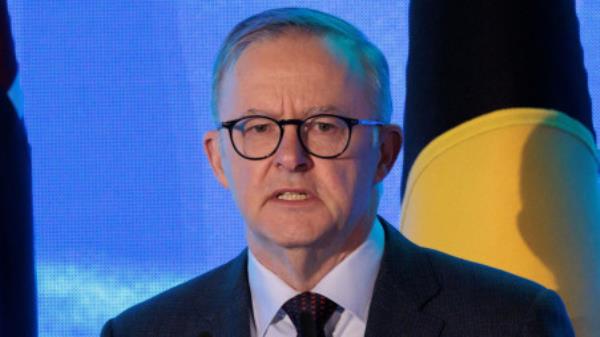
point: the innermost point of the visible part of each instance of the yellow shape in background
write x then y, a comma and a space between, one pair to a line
516, 189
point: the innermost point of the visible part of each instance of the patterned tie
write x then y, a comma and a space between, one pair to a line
309, 313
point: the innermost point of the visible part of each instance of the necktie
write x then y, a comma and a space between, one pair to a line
309, 312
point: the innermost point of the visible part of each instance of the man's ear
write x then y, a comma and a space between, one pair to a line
213, 152
389, 147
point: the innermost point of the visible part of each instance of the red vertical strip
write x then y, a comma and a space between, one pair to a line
8, 62
17, 276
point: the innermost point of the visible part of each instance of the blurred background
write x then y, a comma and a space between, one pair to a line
117, 98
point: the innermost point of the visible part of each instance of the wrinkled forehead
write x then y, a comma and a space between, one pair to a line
301, 68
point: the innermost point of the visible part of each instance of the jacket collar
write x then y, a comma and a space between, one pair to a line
405, 284
232, 308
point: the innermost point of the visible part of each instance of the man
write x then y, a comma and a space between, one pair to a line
303, 142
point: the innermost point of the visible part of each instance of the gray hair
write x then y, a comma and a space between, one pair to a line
275, 22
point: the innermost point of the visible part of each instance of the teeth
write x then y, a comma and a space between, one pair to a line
292, 196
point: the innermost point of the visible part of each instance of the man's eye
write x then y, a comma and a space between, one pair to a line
258, 128
325, 127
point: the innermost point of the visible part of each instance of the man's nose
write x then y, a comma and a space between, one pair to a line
291, 155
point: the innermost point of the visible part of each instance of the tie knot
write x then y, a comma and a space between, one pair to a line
309, 312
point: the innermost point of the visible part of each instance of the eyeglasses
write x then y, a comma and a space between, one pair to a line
327, 136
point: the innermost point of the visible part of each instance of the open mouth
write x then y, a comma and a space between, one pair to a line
292, 196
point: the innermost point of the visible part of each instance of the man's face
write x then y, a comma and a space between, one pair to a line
293, 199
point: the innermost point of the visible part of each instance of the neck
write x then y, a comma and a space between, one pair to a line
303, 267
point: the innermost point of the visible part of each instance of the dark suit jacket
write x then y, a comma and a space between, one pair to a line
419, 292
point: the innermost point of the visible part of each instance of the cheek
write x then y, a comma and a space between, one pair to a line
352, 180
244, 178
345, 187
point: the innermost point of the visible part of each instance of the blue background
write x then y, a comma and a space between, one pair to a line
116, 103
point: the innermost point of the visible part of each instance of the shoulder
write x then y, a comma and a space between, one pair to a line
456, 280
492, 298
472, 299
193, 303
458, 275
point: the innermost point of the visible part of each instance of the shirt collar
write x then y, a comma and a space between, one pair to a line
268, 293
350, 284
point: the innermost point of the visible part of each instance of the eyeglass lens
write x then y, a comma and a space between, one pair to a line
259, 137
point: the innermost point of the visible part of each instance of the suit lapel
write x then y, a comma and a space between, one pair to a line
233, 309
404, 286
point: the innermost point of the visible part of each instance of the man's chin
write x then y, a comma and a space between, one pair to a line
293, 235
299, 244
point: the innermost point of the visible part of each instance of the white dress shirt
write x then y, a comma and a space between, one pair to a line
349, 284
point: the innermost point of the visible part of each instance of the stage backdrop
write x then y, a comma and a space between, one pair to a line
116, 103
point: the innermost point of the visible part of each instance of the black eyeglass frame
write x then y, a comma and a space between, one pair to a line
350, 122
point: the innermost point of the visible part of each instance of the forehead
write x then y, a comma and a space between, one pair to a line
293, 71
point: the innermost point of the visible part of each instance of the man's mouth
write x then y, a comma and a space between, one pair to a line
292, 196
